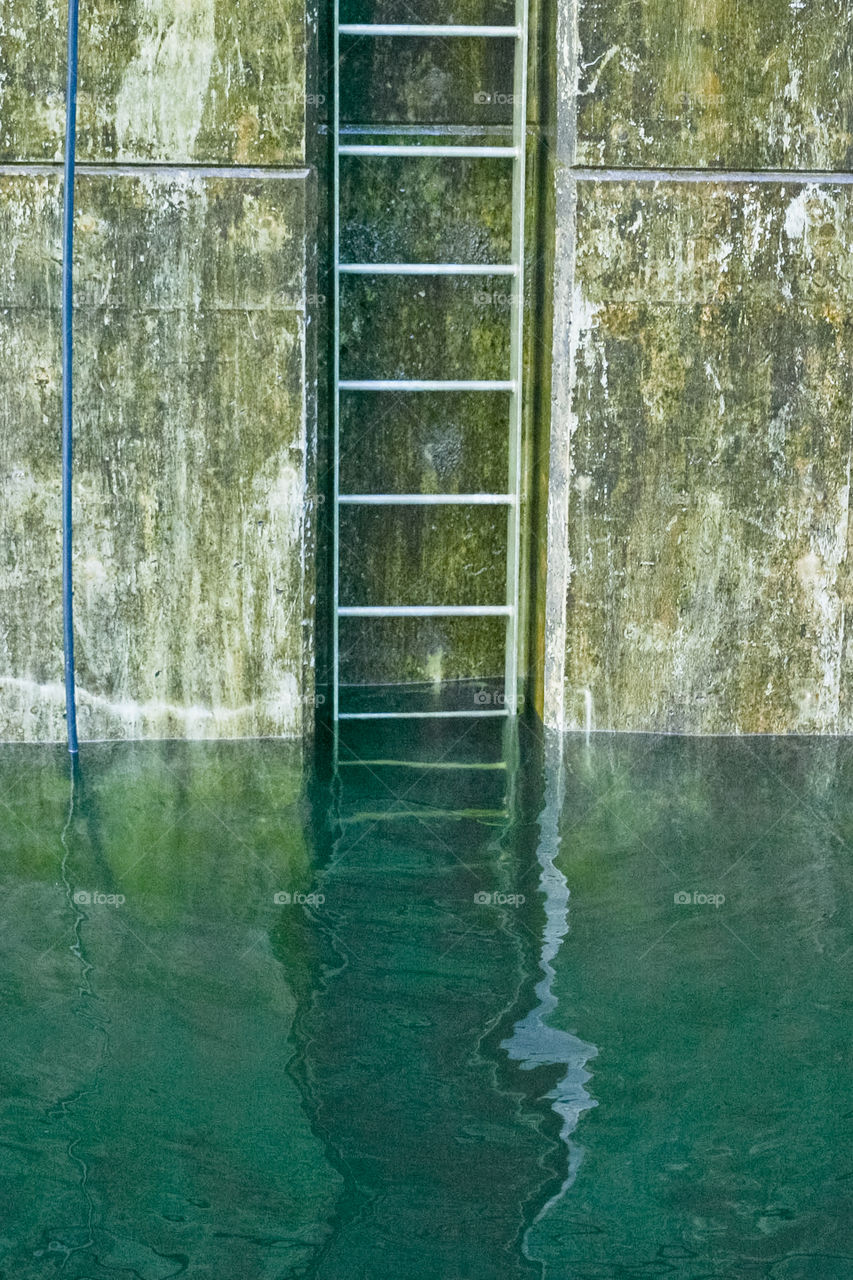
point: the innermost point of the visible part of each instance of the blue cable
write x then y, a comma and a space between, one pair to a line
67, 251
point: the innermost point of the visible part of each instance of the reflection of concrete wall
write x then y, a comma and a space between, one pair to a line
160, 1012
701, 407
703, 1001
192, 544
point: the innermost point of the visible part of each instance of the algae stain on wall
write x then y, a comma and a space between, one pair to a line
164, 87
710, 385
194, 610
715, 83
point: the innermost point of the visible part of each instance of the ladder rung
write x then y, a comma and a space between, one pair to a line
394, 815
424, 29
437, 142
424, 384
419, 715
490, 766
409, 149
428, 268
355, 129
425, 611
427, 499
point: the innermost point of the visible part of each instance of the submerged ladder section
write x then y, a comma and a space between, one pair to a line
431, 781
509, 498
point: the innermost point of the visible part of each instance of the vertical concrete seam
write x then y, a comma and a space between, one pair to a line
840, 721
561, 425
309, 538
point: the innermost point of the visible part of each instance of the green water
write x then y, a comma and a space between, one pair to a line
385, 1077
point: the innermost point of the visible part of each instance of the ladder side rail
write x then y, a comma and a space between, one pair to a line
516, 358
336, 370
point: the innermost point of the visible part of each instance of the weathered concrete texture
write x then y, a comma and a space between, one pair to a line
710, 451
208, 81
716, 83
191, 453
465, 80
411, 209
433, 442
423, 555
431, 652
425, 327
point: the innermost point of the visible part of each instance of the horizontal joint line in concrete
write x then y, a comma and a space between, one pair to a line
426, 499
423, 384
47, 169
584, 173
83, 305
425, 611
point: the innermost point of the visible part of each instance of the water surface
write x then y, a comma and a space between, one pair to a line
441, 1014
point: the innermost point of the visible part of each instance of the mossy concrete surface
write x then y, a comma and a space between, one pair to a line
702, 388
711, 451
212, 81
192, 519
715, 83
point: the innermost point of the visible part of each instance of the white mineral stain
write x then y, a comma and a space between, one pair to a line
798, 215
286, 497
129, 719
163, 93
809, 570
600, 62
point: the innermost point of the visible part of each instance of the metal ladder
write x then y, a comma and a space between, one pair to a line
511, 498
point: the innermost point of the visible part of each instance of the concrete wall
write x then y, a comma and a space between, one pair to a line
689, 366
702, 384
192, 543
